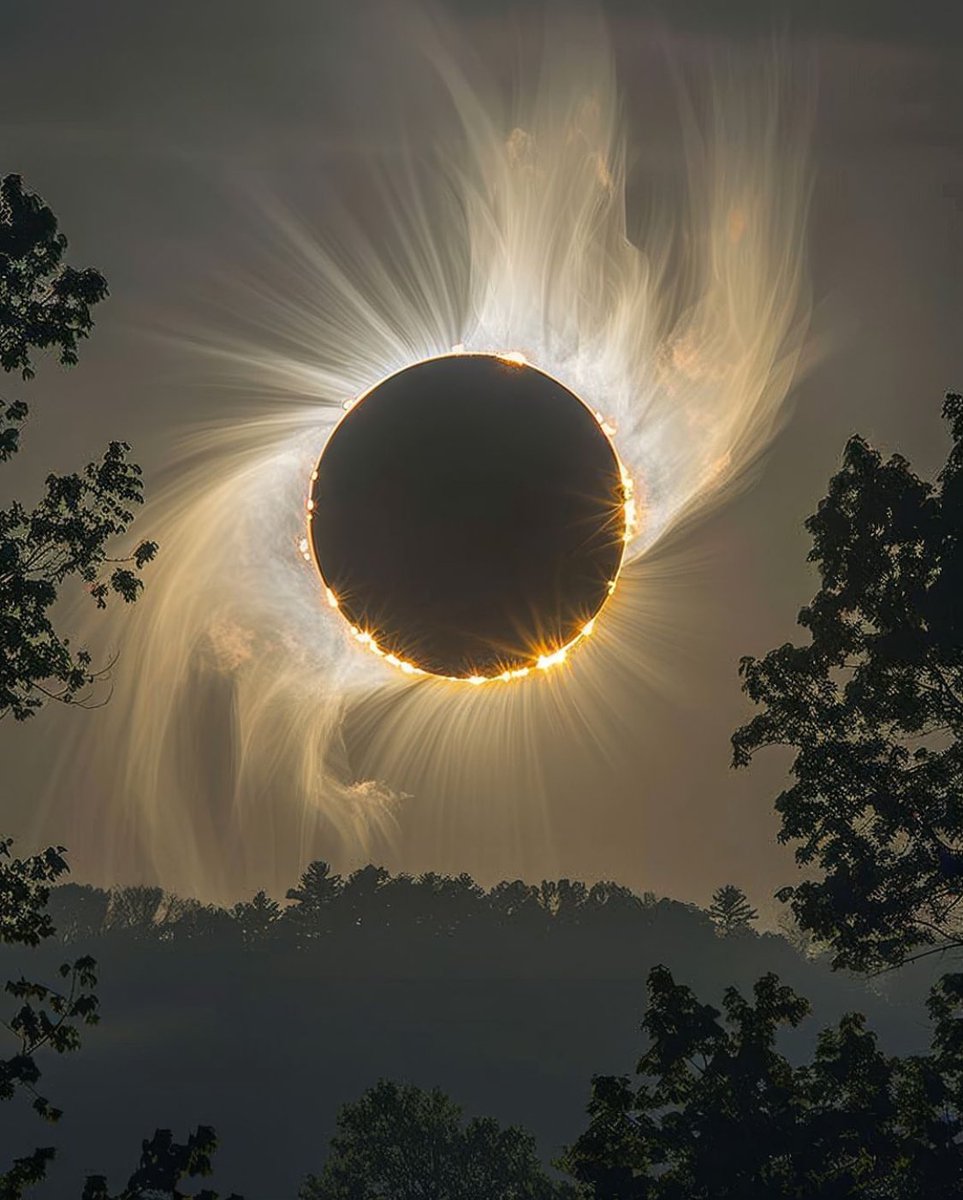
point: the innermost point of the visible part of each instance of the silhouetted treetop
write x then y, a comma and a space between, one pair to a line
399, 1142
43, 302
730, 910
719, 1113
256, 918
164, 1165
873, 707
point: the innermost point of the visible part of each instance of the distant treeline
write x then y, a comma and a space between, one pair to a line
369, 899
372, 901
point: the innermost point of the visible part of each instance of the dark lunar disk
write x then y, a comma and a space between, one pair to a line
468, 513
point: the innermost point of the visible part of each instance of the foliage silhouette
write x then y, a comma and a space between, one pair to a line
721, 1114
401, 1143
256, 918
45, 304
873, 707
44, 1016
51, 1018
164, 1164
67, 535
430, 980
730, 910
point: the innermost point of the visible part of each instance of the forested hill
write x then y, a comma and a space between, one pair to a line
265, 1018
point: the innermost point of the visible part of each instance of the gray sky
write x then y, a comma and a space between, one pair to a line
133, 120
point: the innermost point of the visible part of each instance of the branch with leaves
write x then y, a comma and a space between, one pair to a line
44, 304
873, 709
69, 536
45, 1017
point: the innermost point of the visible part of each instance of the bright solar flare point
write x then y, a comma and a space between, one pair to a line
468, 517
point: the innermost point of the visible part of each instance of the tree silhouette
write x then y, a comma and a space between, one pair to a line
67, 535
51, 1018
164, 1164
256, 919
401, 1143
44, 1016
730, 910
873, 707
46, 304
135, 908
311, 914
78, 912
721, 1108
721, 1114
43, 303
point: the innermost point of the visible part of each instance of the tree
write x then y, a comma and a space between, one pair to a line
43, 302
730, 910
873, 708
256, 919
78, 911
46, 304
314, 898
44, 1016
721, 1114
362, 899
135, 908
516, 902
401, 1143
69, 533
51, 1018
164, 1164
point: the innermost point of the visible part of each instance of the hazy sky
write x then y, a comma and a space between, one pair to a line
135, 121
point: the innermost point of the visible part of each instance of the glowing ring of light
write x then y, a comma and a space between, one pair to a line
607, 519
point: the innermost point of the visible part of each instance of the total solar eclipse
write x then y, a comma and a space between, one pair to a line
468, 517
465, 516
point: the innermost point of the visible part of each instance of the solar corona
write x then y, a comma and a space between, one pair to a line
468, 517
404, 485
